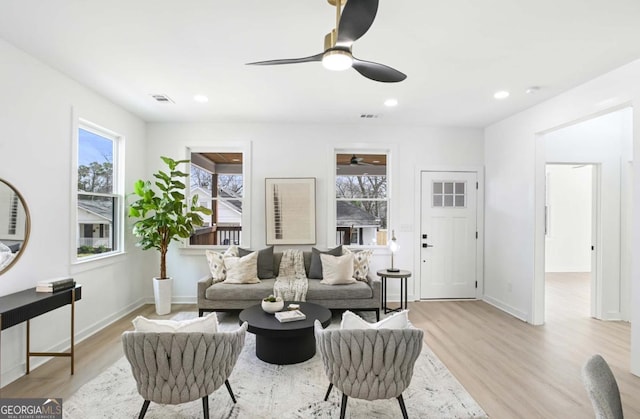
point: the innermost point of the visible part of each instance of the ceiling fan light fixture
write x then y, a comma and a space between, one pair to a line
337, 60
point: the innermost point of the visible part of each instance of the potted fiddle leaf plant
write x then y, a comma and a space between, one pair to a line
163, 217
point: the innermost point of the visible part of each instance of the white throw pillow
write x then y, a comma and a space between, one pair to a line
399, 320
337, 270
242, 270
216, 263
361, 262
5, 259
207, 324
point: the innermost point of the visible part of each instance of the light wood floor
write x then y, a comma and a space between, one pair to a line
513, 369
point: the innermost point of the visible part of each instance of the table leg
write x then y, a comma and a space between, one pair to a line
287, 350
401, 292
28, 351
384, 295
73, 313
406, 293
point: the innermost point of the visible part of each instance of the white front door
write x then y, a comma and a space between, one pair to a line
448, 235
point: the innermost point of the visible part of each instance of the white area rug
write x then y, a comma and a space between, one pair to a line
263, 390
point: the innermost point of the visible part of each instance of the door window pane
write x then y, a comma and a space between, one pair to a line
449, 194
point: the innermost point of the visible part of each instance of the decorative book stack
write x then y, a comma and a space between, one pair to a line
290, 316
54, 285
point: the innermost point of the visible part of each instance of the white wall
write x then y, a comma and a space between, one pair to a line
36, 105
568, 239
281, 150
514, 200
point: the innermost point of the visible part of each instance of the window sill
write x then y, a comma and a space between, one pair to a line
97, 262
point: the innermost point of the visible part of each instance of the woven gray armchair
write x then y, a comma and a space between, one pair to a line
602, 388
369, 364
174, 368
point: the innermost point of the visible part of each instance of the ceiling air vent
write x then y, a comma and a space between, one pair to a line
369, 116
162, 98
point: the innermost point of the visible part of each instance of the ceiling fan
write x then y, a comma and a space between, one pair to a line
357, 161
356, 19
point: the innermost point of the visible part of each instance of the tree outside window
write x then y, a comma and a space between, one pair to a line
98, 201
217, 179
361, 199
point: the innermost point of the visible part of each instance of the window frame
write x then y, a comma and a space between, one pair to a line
333, 199
117, 194
231, 147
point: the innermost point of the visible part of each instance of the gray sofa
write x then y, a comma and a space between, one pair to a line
362, 295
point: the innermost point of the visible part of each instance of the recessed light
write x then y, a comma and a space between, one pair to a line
376, 161
531, 90
235, 159
391, 102
201, 98
502, 94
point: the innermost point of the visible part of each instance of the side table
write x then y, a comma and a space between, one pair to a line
402, 275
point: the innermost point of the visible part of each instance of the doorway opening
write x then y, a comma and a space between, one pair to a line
570, 227
605, 143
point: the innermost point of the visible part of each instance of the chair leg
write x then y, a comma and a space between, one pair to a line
143, 411
402, 407
205, 406
226, 383
343, 406
326, 396
377, 314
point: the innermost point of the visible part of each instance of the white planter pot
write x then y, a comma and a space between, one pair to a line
162, 292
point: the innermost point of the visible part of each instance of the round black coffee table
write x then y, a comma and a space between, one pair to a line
285, 343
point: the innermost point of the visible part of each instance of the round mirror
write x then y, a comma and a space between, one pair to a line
14, 225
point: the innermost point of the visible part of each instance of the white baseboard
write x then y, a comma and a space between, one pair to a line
185, 299
506, 308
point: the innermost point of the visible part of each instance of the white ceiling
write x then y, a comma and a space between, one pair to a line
456, 54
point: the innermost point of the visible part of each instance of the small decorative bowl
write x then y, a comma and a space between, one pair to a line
272, 307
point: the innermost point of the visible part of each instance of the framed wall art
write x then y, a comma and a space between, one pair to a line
290, 210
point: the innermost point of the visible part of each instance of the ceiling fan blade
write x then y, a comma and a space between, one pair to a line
378, 72
357, 17
317, 57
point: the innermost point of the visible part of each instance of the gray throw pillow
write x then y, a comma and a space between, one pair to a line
265, 261
315, 269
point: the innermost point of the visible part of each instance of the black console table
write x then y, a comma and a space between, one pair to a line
25, 305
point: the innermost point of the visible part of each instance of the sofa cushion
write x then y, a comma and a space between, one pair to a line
265, 261
242, 270
356, 291
361, 262
337, 270
254, 292
216, 262
315, 269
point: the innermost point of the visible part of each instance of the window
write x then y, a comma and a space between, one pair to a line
449, 194
362, 199
98, 200
217, 179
